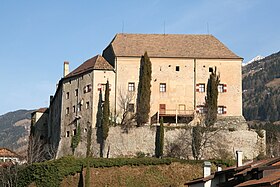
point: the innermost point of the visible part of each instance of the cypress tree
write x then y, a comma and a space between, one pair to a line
161, 138
144, 91
106, 113
212, 98
196, 141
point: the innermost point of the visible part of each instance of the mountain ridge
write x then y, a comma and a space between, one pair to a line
261, 89
15, 129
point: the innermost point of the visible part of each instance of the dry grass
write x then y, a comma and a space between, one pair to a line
173, 175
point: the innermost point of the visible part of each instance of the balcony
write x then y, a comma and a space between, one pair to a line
173, 116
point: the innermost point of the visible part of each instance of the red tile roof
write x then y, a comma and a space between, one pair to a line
41, 110
269, 180
4, 152
171, 45
95, 63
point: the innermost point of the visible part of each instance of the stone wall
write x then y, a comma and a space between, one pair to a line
222, 143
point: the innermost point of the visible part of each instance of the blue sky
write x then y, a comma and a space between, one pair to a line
36, 37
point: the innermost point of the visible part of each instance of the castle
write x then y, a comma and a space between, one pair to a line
181, 65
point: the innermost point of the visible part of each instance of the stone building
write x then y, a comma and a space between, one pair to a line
181, 65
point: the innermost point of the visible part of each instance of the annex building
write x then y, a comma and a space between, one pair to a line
181, 64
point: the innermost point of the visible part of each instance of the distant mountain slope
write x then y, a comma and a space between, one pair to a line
14, 130
261, 89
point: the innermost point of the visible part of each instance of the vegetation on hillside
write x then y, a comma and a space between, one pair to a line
272, 135
160, 140
144, 91
52, 173
261, 89
14, 126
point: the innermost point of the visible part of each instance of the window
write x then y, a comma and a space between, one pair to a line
222, 109
200, 87
74, 108
67, 95
76, 92
201, 109
79, 107
103, 87
87, 105
85, 130
222, 88
67, 110
162, 87
210, 69
177, 68
131, 86
67, 133
130, 107
74, 132
87, 88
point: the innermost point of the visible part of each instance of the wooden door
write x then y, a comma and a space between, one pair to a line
162, 108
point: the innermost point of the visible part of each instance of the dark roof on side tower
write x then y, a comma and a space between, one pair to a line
95, 63
170, 45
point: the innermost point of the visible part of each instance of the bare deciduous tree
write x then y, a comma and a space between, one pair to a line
126, 113
39, 150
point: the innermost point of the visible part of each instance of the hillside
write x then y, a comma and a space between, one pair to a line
15, 128
261, 89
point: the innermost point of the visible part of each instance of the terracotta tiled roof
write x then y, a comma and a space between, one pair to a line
95, 63
171, 45
42, 110
269, 180
7, 153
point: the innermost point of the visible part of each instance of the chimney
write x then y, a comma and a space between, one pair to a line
66, 69
219, 167
207, 169
239, 155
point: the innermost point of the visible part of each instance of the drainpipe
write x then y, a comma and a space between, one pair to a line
194, 84
116, 86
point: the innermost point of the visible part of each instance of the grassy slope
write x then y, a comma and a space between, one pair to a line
175, 174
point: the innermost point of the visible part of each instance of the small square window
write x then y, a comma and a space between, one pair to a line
211, 70
74, 108
131, 86
130, 107
76, 92
67, 95
162, 87
103, 87
87, 88
87, 105
67, 110
67, 133
201, 109
177, 68
222, 110
222, 88
74, 132
79, 107
200, 88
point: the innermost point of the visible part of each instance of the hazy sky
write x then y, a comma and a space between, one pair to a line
36, 37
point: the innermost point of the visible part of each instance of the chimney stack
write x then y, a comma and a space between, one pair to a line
66, 69
219, 167
207, 169
239, 155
